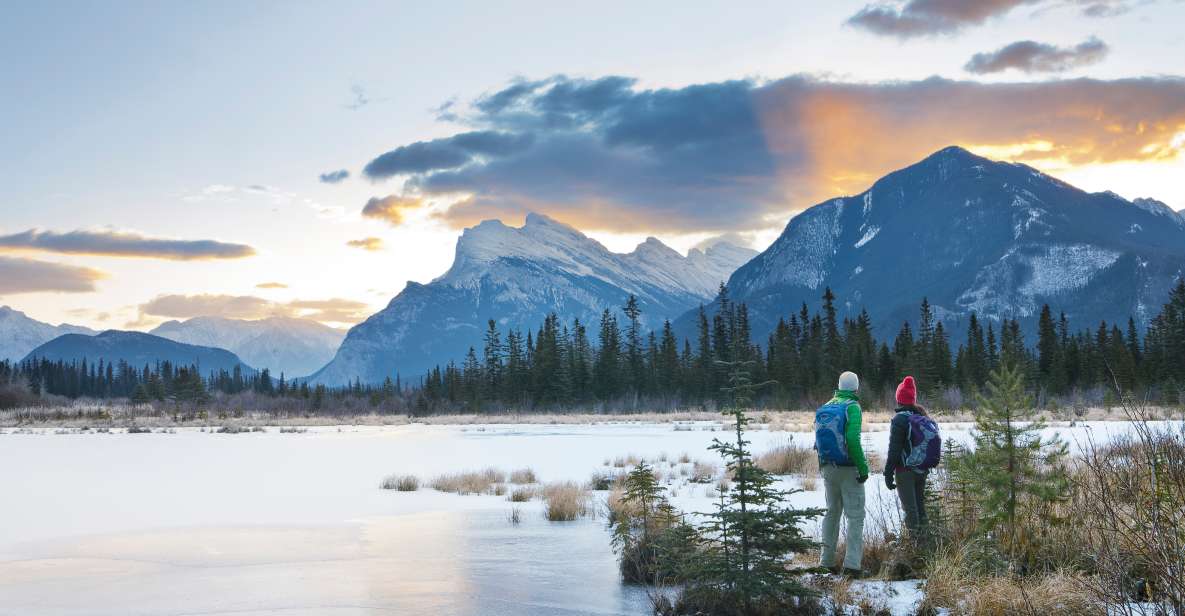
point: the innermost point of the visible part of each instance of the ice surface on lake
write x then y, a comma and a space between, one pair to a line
270, 523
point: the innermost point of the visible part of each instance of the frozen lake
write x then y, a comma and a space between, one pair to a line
270, 523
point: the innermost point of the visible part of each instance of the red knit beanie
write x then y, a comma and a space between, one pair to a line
907, 392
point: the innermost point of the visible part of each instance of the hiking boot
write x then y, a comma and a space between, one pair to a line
834, 570
852, 574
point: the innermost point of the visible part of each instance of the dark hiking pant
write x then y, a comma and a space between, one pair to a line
911, 489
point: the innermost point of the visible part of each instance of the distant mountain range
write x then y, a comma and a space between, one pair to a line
136, 348
970, 234
283, 345
20, 334
516, 276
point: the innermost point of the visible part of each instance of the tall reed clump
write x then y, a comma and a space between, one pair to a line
565, 501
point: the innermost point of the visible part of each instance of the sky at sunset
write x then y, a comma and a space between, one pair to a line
170, 160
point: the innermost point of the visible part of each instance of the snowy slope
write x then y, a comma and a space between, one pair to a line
971, 234
294, 347
516, 276
20, 334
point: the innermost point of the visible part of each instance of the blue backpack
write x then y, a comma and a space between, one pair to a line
925, 444
831, 421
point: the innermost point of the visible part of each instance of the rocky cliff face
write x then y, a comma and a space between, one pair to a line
516, 276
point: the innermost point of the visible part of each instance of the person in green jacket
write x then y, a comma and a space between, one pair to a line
844, 484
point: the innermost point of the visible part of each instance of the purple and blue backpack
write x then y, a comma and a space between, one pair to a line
925, 444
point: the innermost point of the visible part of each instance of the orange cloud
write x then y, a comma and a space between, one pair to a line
838, 138
392, 209
334, 310
367, 243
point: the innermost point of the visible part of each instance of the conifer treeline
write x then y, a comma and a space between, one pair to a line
558, 366
561, 365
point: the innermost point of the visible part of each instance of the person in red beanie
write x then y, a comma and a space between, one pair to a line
905, 473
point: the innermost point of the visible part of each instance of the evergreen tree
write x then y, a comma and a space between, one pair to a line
1018, 474
742, 567
643, 515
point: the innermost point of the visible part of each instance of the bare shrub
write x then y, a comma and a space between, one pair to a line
565, 501
523, 476
515, 517
1130, 499
402, 483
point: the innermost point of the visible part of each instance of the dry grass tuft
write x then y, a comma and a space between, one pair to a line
469, 482
951, 586
810, 483
789, 459
565, 501
402, 483
522, 495
703, 472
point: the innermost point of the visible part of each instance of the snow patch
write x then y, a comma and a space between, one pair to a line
868, 235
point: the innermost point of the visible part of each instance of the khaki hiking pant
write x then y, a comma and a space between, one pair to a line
844, 494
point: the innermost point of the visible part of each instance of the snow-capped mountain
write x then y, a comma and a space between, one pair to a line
283, 345
971, 234
517, 276
20, 334
136, 348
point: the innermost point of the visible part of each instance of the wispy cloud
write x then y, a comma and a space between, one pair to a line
20, 275
334, 310
123, 244
1034, 57
914, 18
391, 209
367, 243
603, 154
271, 285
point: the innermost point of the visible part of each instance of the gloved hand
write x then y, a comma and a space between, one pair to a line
890, 483
862, 479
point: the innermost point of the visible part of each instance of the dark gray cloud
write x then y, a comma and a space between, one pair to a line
737, 155
333, 177
913, 18
928, 17
123, 244
19, 275
1034, 57
447, 153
